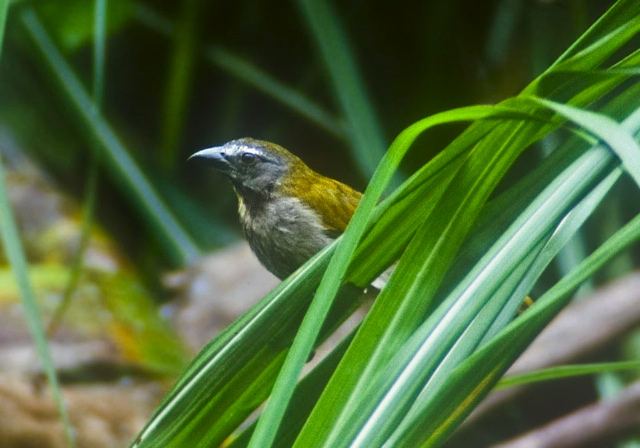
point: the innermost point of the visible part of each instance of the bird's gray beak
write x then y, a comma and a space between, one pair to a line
215, 157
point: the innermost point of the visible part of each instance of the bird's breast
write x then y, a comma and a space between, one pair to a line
283, 233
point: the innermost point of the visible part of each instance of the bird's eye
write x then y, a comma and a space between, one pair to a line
248, 158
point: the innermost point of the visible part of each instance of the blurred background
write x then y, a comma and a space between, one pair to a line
193, 74
95, 134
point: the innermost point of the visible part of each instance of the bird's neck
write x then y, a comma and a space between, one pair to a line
251, 202
251, 195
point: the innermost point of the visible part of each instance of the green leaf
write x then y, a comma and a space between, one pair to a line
543, 215
468, 383
400, 307
612, 133
559, 372
611, 31
4, 7
120, 163
180, 75
310, 327
252, 75
12, 246
72, 25
489, 363
362, 127
15, 253
447, 230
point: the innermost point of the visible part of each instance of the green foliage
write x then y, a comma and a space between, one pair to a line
14, 251
362, 127
474, 229
425, 353
73, 25
554, 373
122, 166
12, 246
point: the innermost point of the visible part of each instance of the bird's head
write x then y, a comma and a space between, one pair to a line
253, 166
288, 211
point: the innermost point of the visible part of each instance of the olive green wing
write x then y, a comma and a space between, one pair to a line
334, 202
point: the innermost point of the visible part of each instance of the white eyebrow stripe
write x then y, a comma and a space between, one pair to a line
244, 148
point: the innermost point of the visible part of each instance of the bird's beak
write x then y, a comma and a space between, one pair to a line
215, 157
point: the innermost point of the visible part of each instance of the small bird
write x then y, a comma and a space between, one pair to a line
288, 211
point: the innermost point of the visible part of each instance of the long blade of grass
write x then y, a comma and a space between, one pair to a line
283, 389
4, 8
171, 234
330, 415
91, 189
363, 130
189, 401
99, 50
615, 135
461, 392
562, 236
402, 304
229, 363
15, 254
180, 73
306, 394
442, 334
569, 371
263, 325
567, 227
612, 29
273, 318
220, 369
487, 365
253, 76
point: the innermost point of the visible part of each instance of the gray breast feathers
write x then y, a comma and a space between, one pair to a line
283, 233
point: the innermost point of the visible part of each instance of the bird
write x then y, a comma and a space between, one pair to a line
288, 212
